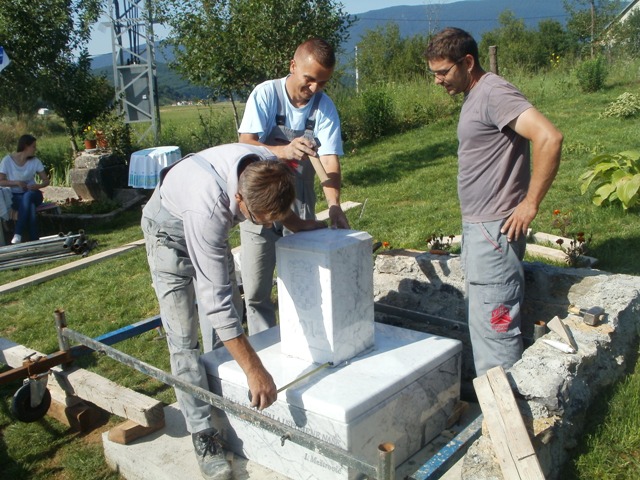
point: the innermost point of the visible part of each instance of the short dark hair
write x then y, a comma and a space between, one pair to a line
320, 50
452, 44
268, 188
25, 141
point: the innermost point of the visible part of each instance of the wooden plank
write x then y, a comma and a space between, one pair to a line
496, 427
69, 267
129, 431
93, 388
509, 426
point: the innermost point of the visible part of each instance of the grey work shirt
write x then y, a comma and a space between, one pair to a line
493, 160
193, 196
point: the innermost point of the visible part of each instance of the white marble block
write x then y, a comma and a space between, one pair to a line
325, 294
401, 391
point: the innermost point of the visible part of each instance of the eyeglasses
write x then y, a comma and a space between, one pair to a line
444, 73
251, 216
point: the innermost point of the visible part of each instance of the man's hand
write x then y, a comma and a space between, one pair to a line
261, 386
337, 217
263, 390
518, 223
294, 223
299, 149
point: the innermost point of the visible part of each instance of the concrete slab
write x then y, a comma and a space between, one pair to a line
168, 454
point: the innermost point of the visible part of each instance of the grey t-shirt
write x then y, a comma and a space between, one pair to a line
493, 160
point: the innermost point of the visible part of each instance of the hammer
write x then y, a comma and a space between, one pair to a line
591, 316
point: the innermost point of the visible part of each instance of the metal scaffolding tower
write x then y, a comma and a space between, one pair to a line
134, 66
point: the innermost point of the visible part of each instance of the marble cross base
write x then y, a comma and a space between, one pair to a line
401, 391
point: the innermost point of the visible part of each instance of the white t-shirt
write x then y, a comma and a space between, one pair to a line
25, 173
262, 107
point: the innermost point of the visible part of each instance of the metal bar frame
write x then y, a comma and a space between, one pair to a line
385, 469
448, 454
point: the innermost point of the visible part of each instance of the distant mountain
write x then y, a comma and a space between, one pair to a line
475, 16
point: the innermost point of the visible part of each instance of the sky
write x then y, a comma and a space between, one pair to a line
101, 36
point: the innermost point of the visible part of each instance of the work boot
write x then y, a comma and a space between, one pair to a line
211, 457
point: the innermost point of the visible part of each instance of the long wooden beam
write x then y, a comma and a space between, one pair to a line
69, 267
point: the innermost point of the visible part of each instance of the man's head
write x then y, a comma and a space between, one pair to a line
311, 68
452, 55
266, 190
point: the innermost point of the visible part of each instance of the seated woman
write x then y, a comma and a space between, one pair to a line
18, 171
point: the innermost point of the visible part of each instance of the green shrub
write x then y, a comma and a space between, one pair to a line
117, 133
367, 116
591, 74
617, 178
378, 112
626, 105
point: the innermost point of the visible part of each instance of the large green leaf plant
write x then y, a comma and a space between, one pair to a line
617, 179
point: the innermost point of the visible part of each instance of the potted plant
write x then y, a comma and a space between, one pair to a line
90, 138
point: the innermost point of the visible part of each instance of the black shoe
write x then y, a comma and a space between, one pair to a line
211, 457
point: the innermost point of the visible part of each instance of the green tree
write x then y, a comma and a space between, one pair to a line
521, 47
43, 39
587, 18
626, 35
75, 94
383, 56
229, 46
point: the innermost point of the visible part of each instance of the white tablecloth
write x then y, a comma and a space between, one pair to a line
145, 165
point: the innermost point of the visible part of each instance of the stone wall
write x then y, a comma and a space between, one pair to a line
553, 389
96, 176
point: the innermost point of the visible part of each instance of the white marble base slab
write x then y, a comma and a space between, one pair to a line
401, 391
325, 294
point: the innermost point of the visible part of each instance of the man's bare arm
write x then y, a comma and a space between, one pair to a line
546, 141
263, 389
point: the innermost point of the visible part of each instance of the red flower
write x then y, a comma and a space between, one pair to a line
556, 212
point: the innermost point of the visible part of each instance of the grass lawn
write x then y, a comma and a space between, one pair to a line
407, 184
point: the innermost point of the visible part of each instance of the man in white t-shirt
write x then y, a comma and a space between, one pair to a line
294, 119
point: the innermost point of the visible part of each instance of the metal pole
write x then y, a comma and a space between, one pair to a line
244, 413
61, 323
386, 462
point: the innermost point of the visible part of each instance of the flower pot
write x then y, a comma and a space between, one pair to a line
90, 144
102, 140
436, 251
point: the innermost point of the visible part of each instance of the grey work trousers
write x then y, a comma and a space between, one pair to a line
494, 279
173, 277
258, 263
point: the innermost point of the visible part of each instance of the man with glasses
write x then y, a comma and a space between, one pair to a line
294, 119
499, 193
186, 227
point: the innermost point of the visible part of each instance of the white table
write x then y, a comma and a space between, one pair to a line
145, 165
